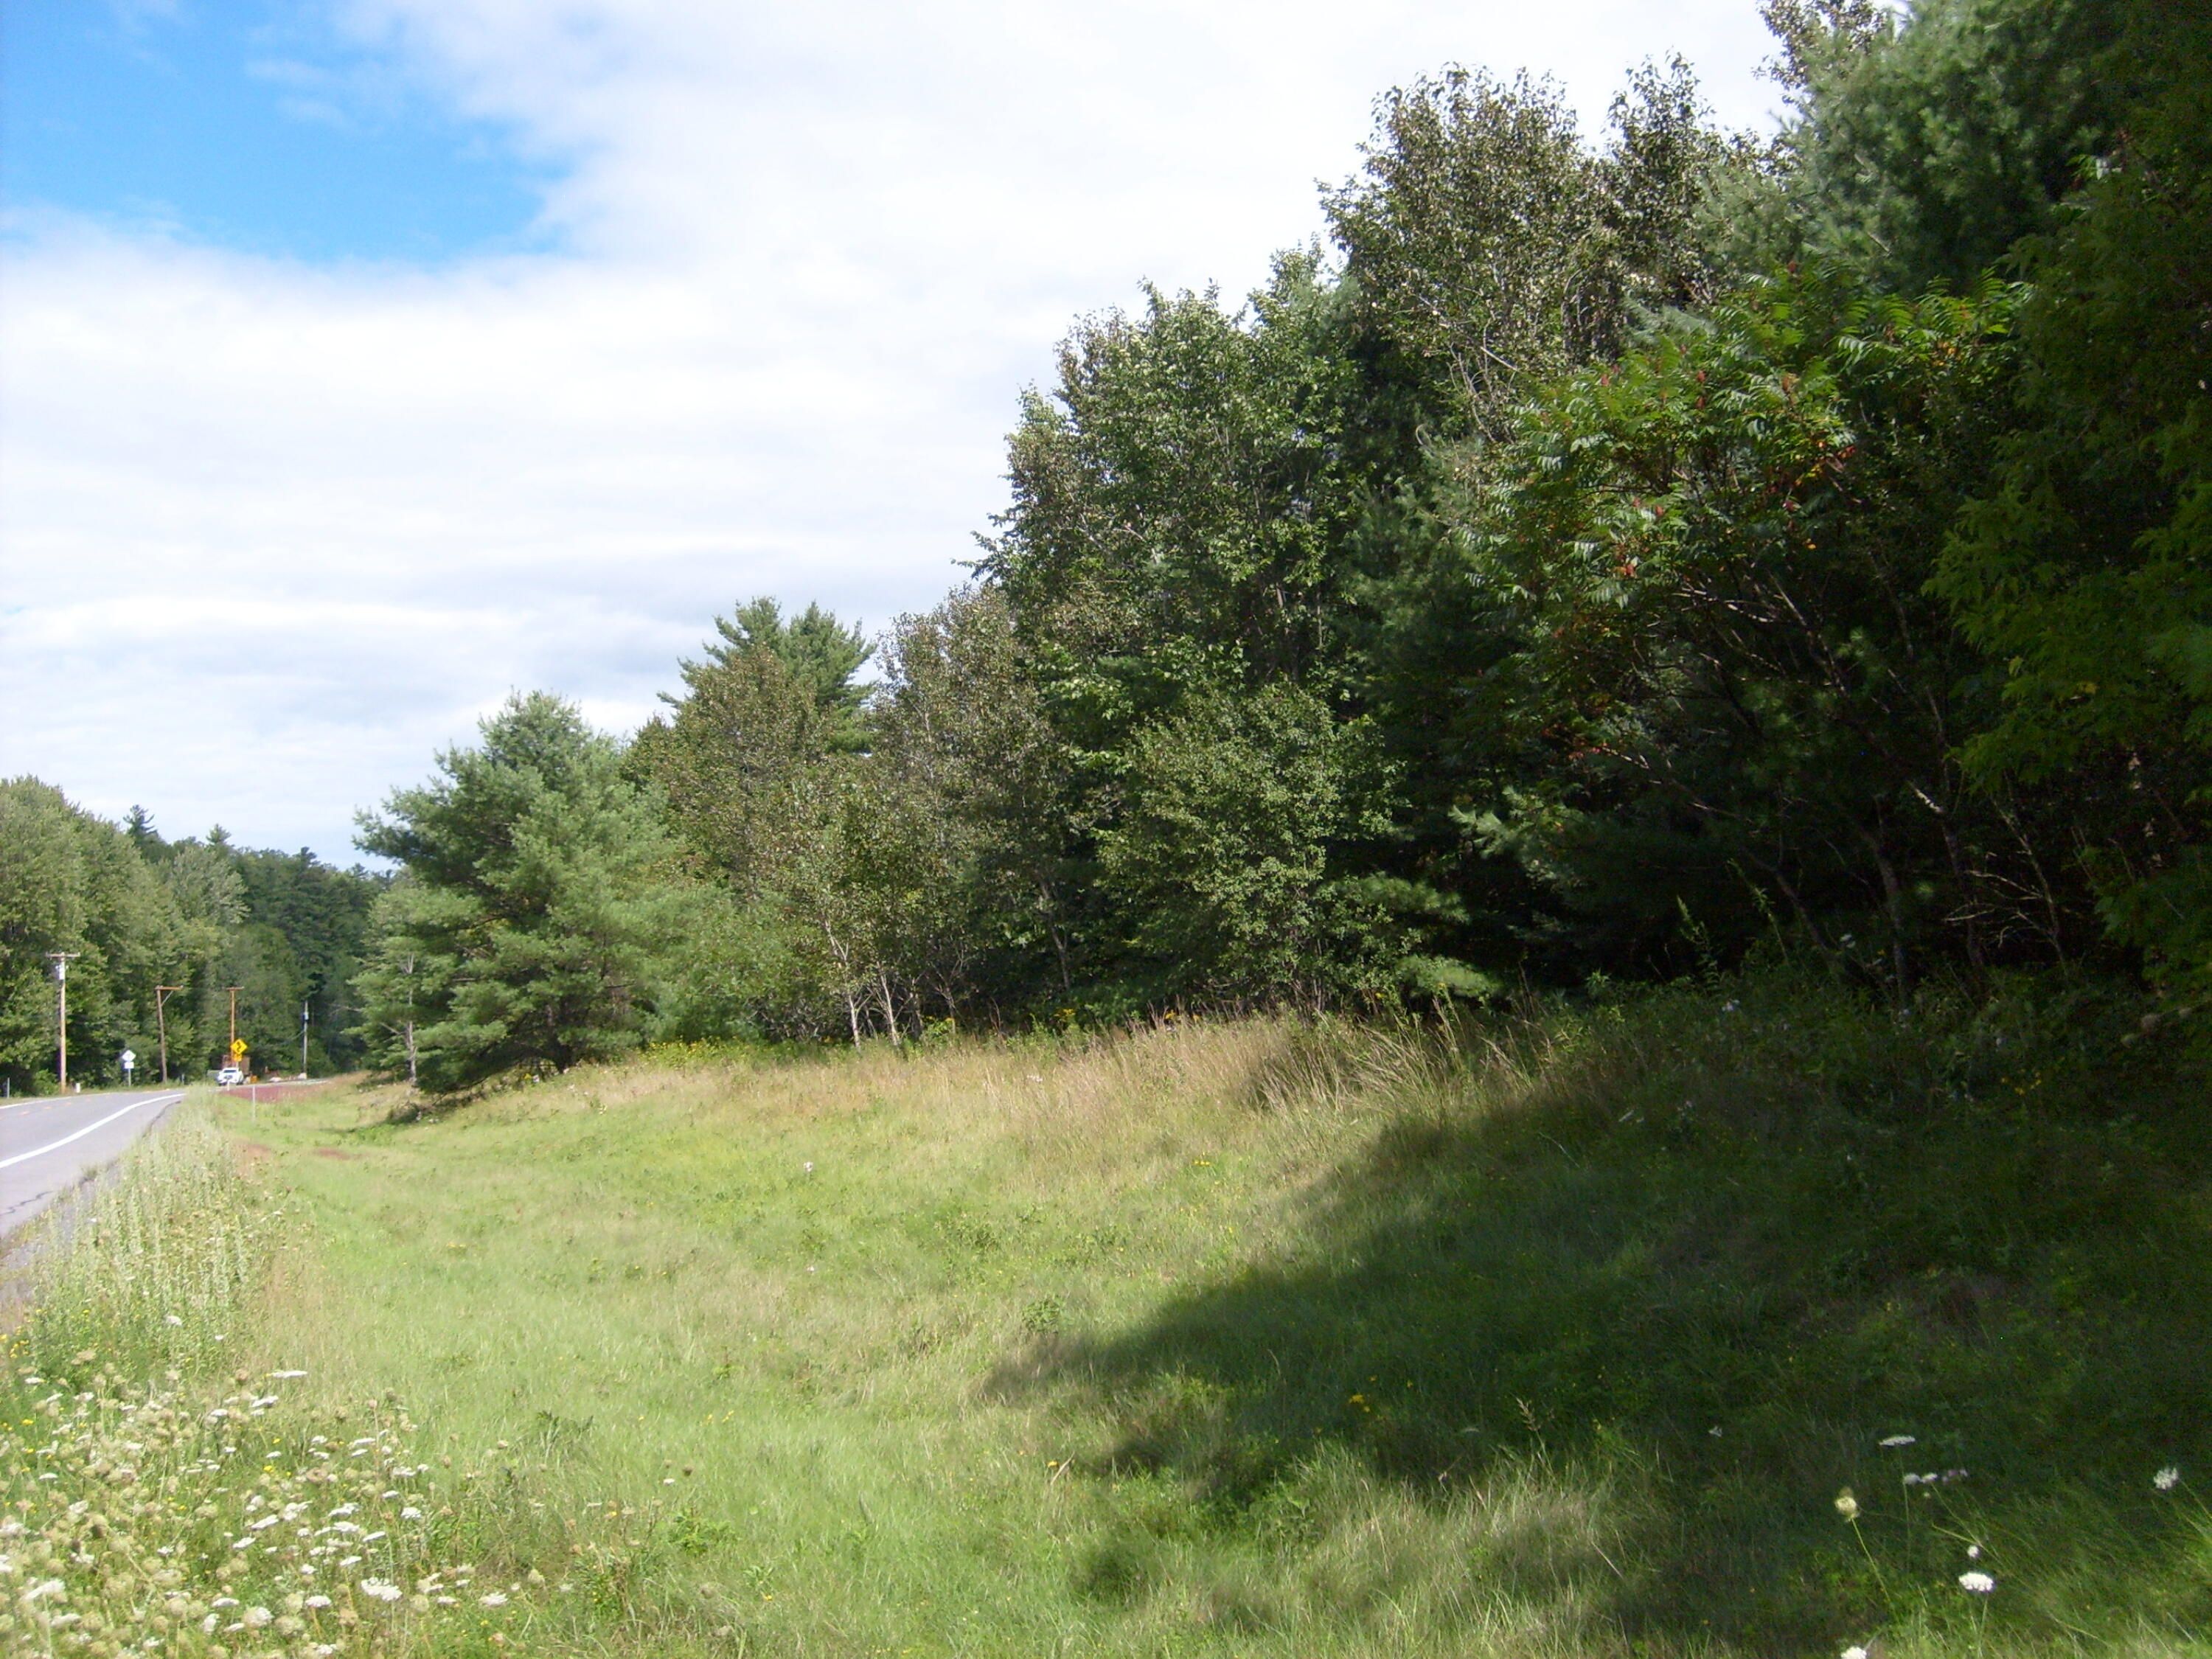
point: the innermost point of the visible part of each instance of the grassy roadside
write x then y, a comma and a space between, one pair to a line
1261, 1338
163, 1489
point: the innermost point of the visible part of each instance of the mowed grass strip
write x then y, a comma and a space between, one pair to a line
1270, 1338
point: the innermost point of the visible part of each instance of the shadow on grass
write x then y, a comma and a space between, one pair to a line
1712, 1258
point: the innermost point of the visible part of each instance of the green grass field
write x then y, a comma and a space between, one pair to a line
1560, 1337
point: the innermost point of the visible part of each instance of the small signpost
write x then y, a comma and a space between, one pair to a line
237, 1042
130, 1065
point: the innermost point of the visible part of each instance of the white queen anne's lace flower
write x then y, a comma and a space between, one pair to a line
2167, 1479
379, 1589
1980, 1584
1894, 1441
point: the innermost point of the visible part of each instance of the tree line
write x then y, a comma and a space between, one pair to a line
1605, 555
157, 933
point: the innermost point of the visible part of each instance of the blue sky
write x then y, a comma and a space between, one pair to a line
254, 123
365, 361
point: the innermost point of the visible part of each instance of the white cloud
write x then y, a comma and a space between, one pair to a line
274, 533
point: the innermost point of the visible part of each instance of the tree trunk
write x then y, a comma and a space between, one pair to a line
845, 980
1893, 904
890, 1008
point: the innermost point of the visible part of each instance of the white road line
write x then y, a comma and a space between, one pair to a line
40, 1152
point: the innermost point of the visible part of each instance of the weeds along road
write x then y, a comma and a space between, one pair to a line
48, 1145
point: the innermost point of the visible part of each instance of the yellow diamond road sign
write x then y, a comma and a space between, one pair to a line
237, 1048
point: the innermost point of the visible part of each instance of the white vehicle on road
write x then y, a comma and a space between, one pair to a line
229, 1077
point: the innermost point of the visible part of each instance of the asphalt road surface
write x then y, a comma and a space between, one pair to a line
47, 1145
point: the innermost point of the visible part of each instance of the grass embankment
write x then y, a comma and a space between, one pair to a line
1261, 1339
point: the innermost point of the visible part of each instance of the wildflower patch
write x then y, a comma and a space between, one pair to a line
151, 1519
221, 1519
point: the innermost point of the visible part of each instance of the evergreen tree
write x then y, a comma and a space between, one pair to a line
537, 895
818, 652
1925, 153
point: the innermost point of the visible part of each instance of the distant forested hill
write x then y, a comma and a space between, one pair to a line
140, 913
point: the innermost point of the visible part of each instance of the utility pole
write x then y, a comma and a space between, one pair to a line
61, 959
161, 995
303, 1039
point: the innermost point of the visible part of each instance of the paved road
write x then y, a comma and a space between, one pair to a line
47, 1145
